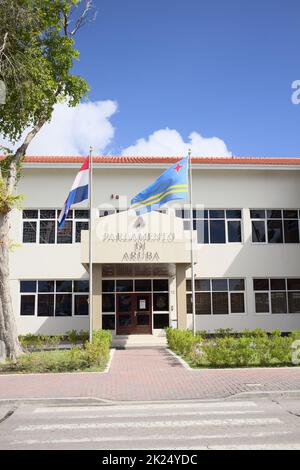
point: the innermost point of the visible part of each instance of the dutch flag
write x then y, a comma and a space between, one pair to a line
79, 192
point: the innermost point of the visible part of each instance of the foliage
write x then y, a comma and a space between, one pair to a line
36, 62
34, 342
8, 201
93, 356
73, 336
248, 348
182, 341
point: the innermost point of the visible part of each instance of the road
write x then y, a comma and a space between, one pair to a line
262, 423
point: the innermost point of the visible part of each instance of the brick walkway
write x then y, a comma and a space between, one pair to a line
149, 374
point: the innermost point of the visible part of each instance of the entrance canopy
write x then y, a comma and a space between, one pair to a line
153, 238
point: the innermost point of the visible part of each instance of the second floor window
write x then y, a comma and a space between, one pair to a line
215, 225
40, 226
275, 225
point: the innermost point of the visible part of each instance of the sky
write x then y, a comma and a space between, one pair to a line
166, 75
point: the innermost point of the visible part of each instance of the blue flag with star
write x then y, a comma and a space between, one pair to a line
171, 184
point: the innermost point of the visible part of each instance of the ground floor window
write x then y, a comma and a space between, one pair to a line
217, 296
121, 298
274, 295
51, 298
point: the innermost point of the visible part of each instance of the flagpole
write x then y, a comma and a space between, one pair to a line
90, 246
192, 243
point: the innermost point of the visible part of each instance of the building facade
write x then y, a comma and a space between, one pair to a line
246, 241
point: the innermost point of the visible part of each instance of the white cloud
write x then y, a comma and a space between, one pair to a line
72, 130
168, 142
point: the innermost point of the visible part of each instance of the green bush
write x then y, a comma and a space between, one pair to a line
73, 336
229, 349
91, 355
32, 342
182, 341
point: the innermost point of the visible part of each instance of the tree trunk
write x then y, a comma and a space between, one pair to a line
8, 327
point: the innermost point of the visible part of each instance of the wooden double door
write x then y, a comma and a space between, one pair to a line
134, 313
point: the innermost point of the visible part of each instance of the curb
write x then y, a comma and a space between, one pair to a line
265, 394
111, 355
180, 360
94, 401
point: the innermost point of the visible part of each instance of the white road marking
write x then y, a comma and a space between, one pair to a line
168, 413
291, 446
154, 406
151, 424
151, 438
276, 446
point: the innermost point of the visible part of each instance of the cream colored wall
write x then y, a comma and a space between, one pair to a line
47, 188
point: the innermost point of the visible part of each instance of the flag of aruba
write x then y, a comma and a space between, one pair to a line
171, 184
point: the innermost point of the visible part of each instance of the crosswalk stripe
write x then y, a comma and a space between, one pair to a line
83, 440
291, 446
151, 424
154, 406
275, 446
167, 413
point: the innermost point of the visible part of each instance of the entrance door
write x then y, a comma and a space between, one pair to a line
134, 314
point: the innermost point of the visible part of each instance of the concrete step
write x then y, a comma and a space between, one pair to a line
139, 341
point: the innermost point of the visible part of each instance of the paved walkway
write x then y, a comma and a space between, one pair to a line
149, 374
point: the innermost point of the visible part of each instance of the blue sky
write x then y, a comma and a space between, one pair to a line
220, 68
166, 75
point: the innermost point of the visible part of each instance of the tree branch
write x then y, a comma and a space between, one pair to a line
20, 153
83, 18
2, 48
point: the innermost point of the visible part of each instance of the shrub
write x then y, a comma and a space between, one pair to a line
91, 355
182, 341
74, 336
248, 348
31, 341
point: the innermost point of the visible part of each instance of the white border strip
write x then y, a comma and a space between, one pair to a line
111, 355
180, 360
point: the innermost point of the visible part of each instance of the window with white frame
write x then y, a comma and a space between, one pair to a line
106, 212
61, 298
217, 296
275, 225
277, 295
41, 226
214, 225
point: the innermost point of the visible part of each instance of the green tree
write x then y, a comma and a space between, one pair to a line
36, 58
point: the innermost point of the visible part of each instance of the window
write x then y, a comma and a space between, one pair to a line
63, 298
108, 322
217, 296
40, 226
106, 212
277, 295
275, 226
214, 225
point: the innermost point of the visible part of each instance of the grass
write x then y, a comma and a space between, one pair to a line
49, 361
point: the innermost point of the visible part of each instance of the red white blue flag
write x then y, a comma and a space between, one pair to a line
79, 192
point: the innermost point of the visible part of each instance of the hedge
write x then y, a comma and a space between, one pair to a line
91, 356
229, 349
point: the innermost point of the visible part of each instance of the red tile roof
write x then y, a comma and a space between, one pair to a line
156, 159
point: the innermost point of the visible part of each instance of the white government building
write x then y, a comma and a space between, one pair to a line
247, 248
